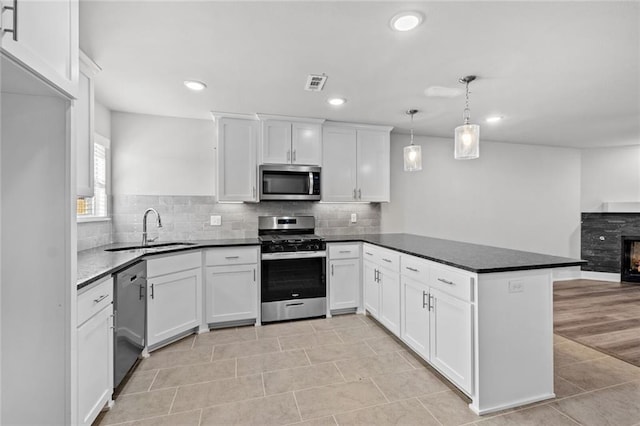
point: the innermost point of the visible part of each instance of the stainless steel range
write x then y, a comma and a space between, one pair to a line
293, 268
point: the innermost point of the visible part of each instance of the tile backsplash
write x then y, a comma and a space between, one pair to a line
188, 217
94, 234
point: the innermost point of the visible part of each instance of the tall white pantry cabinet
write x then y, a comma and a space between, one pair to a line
38, 341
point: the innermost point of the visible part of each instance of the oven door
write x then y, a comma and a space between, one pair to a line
293, 275
282, 182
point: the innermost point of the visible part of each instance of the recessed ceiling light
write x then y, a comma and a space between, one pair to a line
406, 21
337, 101
494, 119
195, 85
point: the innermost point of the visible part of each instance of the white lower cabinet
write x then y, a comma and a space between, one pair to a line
344, 276
95, 350
174, 296
415, 316
232, 293
232, 284
371, 288
437, 321
450, 338
389, 283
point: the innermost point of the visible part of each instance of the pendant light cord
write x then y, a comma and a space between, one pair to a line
467, 111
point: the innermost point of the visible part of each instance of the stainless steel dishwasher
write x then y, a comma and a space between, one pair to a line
130, 304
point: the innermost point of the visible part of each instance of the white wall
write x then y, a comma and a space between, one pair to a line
610, 175
154, 155
514, 196
102, 120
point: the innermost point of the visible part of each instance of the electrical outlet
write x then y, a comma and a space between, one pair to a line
354, 218
216, 220
516, 286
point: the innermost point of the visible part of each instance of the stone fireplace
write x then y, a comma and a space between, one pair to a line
630, 259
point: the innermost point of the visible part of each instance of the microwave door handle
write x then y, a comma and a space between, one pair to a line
310, 183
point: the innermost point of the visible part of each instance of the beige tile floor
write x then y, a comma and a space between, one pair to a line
348, 370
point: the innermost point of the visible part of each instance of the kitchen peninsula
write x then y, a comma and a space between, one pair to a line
480, 315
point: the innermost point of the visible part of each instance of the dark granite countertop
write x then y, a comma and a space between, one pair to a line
97, 263
471, 257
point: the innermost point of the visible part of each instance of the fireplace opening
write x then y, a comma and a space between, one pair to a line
630, 268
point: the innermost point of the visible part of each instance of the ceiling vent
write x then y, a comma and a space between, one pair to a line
315, 83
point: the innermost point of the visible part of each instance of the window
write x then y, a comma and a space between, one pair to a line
98, 205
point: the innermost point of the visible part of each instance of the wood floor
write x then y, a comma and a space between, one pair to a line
600, 314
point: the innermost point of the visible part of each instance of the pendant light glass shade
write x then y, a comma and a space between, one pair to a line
467, 142
467, 136
412, 158
412, 153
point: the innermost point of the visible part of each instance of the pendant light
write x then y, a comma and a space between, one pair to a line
412, 153
467, 136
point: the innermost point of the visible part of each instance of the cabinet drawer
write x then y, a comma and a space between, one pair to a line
94, 299
415, 268
452, 281
384, 258
231, 256
157, 266
344, 251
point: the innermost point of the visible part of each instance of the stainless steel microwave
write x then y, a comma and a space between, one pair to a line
289, 182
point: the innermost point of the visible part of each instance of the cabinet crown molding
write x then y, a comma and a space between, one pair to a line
262, 116
360, 126
218, 115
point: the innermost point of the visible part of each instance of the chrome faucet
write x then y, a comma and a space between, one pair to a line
144, 225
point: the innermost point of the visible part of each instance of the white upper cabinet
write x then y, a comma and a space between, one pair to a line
84, 125
290, 140
356, 163
42, 36
237, 165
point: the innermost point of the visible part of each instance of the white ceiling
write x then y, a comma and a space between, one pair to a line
561, 73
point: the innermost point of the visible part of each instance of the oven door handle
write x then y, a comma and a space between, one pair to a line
293, 255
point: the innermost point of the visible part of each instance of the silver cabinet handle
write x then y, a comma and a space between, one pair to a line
411, 269
425, 304
386, 260
331, 270
152, 292
141, 292
431, 300
254, 275
294, 155
232, 257
344, 251
442, 280
13, 31
113, 322
354, 194
368, 254
101, 298
359, 194
288, 155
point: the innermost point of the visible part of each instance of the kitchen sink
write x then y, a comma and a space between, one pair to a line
153, 247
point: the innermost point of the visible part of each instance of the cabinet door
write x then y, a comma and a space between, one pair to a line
83, 108
414, 311
232, 293
371, 289
276, 142
344, 284
373, 165
173, 304
237, 160
95, 365
46, 40
389, 283
450, 338
306, 142
339, 164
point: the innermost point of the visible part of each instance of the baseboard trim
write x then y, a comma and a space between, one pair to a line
600, 276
